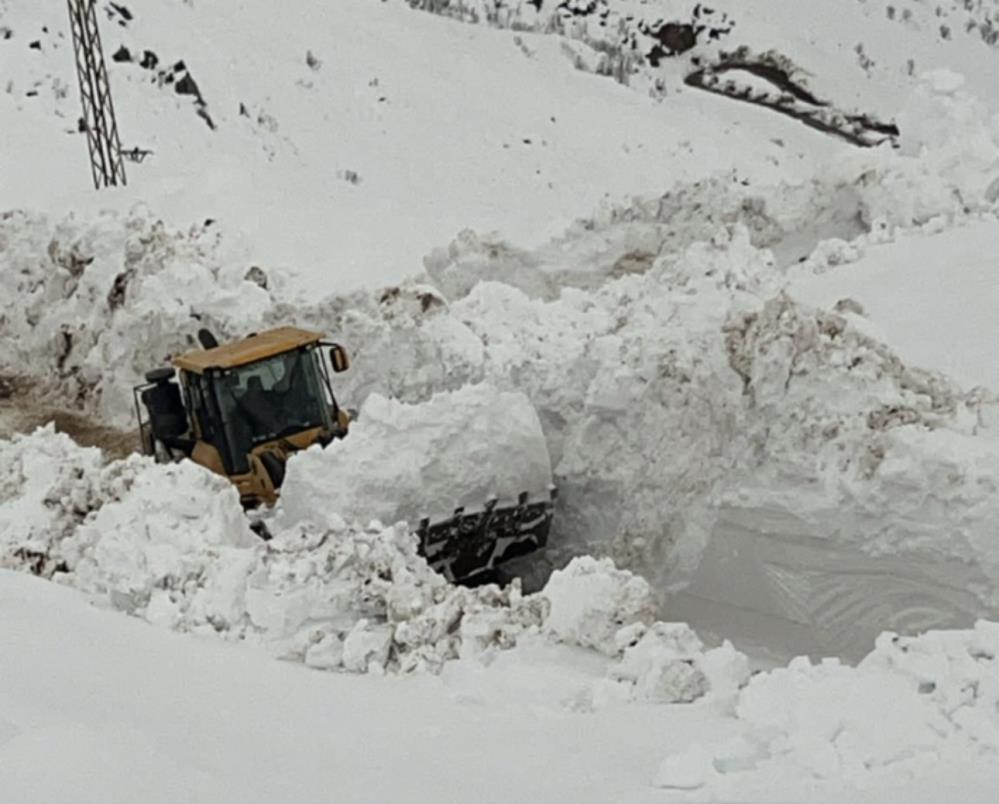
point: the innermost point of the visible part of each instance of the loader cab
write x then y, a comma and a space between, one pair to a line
268, 400
242, 408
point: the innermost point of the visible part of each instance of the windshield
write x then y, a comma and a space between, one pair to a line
270, 399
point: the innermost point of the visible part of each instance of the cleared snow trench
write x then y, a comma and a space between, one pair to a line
692, 411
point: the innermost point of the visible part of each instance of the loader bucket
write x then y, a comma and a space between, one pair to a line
468, 546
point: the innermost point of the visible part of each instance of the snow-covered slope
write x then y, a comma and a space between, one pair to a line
346, 142
861, 53
350, 140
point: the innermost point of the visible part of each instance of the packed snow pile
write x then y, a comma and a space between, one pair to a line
666, 394
48, 485
88, 306
593, 604
170, 544
402, 462
789, 220
157, 536
911, 706
122, 527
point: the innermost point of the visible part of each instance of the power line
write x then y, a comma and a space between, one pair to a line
100, 125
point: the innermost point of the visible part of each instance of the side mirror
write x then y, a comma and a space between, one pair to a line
338, 358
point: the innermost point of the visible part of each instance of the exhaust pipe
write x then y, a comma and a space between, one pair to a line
207, 339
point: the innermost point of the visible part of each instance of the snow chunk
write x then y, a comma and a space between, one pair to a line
366, 647
401, 462
591, 600
662, 664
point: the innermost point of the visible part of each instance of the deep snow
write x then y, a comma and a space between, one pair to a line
752, 390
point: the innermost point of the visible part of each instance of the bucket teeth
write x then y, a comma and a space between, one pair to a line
468, 545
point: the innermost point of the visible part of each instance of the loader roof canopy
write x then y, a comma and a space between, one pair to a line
247, 350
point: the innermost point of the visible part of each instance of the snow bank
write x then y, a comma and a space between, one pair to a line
627, 238
912, 705
714, 435
401, 462
691, 414
671, 397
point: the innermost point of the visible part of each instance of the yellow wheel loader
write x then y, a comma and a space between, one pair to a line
241, 409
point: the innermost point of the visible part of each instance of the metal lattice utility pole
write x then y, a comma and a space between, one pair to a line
95, 95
